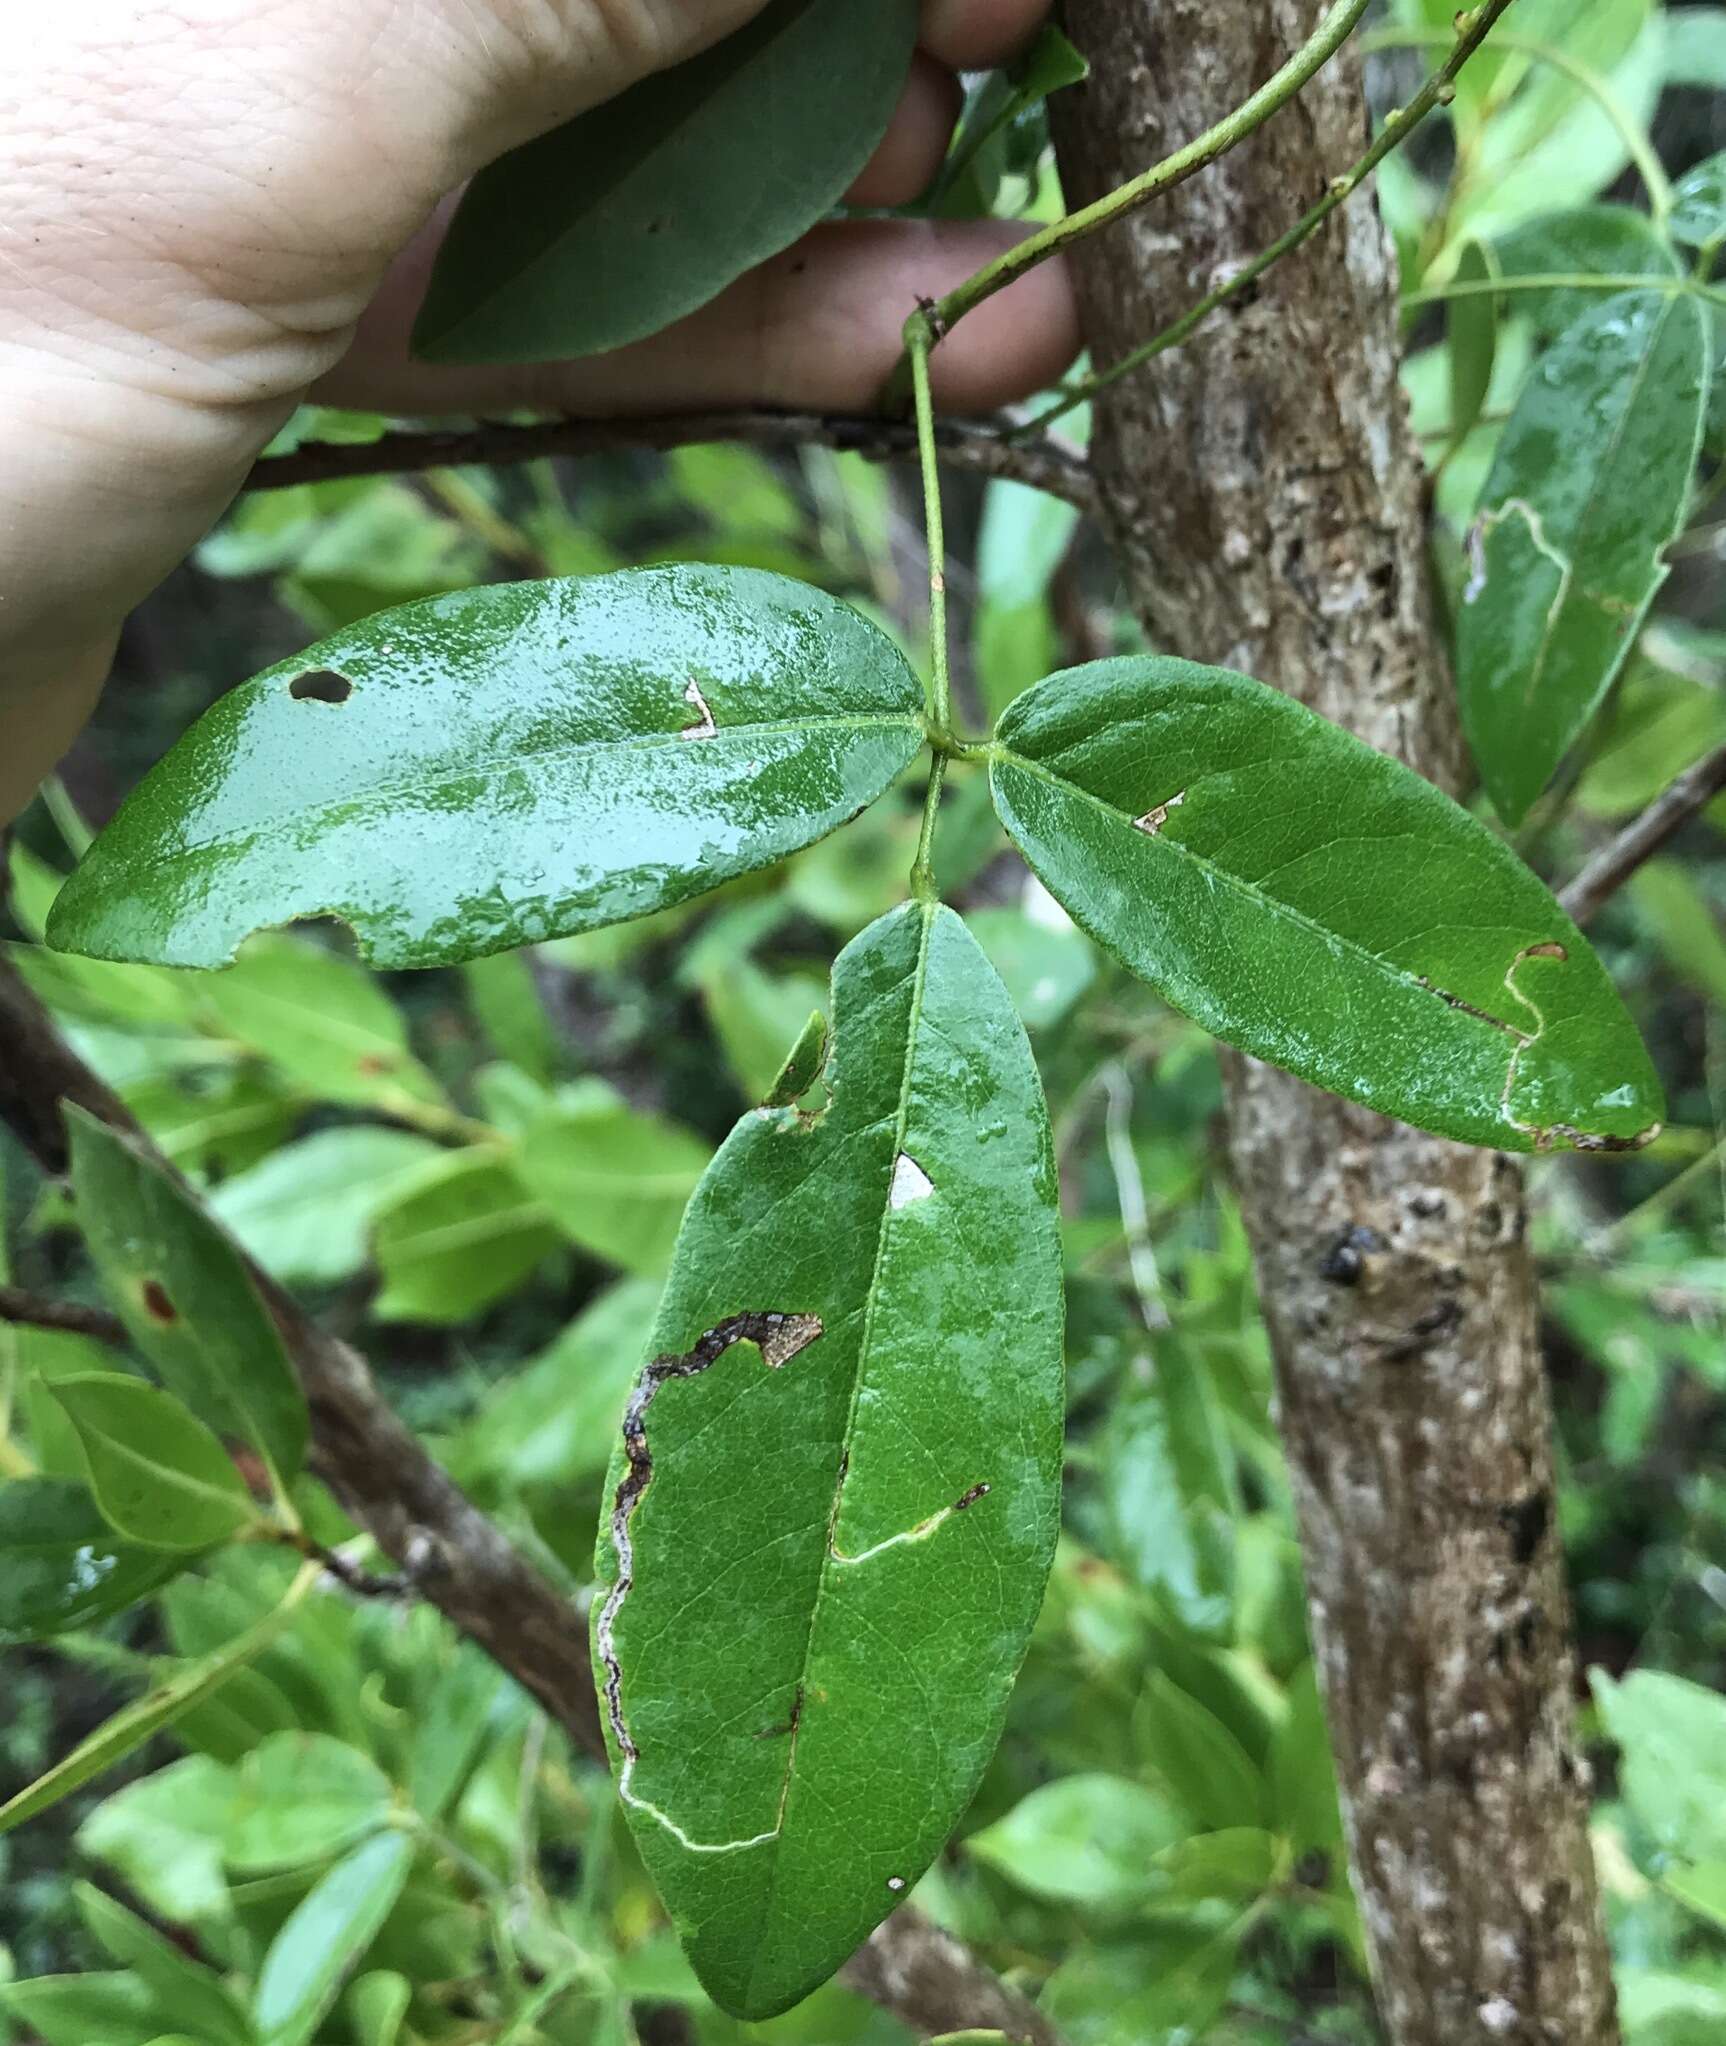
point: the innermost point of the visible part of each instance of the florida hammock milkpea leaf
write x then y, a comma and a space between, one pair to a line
502, 765
1319, 905
827, 1531
1589, 484
642, 209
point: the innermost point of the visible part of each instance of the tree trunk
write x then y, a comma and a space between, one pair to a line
1265, 500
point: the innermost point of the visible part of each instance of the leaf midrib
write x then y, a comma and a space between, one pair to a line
926, 913
382, 792
1274, 905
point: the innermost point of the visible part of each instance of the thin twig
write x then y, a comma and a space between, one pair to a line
1047, 464
1437, 90
1643, 836
456, 1558
65, 1317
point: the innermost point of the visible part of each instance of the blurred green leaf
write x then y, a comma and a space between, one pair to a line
448, 1727
1045, 962
91, 2009
646, 207
377, 2004
1698, 213
162, 1836
61, 1564
1087, 1840
614, 1180
1590, 482
325, 1936
1683, 926
185, 1297
507, 1002
1673, 1769
1302, 1777
1235, 1865
458, 1235
302, 1797
1473, 339
186, 1991
305, 1211
157, 1473
1204, 1767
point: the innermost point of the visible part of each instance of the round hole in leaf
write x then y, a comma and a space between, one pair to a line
320, 685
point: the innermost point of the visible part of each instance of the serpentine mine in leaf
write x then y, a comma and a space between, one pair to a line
835, 1500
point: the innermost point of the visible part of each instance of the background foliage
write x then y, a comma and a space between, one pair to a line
365, 1835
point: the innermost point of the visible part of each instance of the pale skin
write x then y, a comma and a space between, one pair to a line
214, 209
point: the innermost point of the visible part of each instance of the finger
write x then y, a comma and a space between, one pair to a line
910, 153
972, 35
815, 329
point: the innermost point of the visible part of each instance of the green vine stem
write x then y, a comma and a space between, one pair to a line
1330, 35
919, 339
1630, 131
1438, 91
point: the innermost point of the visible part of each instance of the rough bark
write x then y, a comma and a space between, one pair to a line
1265, 501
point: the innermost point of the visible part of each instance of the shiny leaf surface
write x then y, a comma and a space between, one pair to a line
825, 1547
646, 207
1698, 213
1317, 904
484, 770
184, 1296
61, 1565
1589, 484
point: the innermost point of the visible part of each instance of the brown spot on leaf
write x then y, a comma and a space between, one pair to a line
320, 685
157, 1305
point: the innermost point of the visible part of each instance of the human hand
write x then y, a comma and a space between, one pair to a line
215, 208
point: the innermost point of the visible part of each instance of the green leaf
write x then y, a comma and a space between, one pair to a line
192, 1993
1589, 484
61, 1564
1302, 1775
1473, 340
158, 1474
1319, 905
642, 209
1684, 926
613, 1179
117, 1737
1088, 1840
91, 2009
796, 1554
1698, 213
507, 1002
1587, 241
448, 1727
505, 765
1236, 1864
162, 1836
322, 1020
456, 1237
1660, 722
302, 1797
184, 1295
801, 1066
304, 1211
1202, 1763
1673, 1734
377, 2004
324, 1936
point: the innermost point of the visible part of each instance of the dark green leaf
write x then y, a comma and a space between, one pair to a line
1589, 484
158, 1474
185, 1297
795, 1553
646, 207
1473, 341
1698, 213
1585, 241
1319, 905
325, 1935
504, 765
304, 1211
801, 1066
61, 1564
